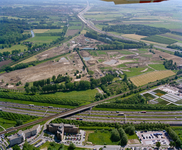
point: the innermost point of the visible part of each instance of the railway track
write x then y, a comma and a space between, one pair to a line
73, 111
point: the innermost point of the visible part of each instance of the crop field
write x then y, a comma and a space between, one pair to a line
42, 39
161, 101
134, 36
157, 66
160, 39
151, 77
15, 47
40, 30
149, 96
75, 27
137, 71
54, 31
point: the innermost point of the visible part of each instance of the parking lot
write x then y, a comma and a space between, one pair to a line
77, 139
151, 137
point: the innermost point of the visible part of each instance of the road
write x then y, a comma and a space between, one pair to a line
93, 27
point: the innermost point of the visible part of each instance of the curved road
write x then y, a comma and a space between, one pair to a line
92, 26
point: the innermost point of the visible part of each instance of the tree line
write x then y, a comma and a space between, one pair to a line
178, 53
14, 116
169, 65
114, 43
141, 126
135, 29
39, 98
138, 106
175, 47
45, 86
136, 99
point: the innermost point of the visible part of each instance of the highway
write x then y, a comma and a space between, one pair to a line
72, 111
92, 26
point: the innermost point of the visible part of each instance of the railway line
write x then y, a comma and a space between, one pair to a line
73, 111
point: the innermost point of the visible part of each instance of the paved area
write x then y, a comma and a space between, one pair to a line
151, 137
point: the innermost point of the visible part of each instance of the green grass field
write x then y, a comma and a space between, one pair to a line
101, 60
101, 53
54, 31
47, 144
75, 27
6, 123
161, 101
158, 66
101, 138
159, 39
15, 47
125, 52
178, 131
136, 71
83, 96
42, 39
93, 53
35, 103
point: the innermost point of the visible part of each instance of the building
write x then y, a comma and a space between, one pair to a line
22, 135
17, 138
31, 132
60, 129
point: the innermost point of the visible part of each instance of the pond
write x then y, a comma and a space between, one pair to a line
86, 58
111, 62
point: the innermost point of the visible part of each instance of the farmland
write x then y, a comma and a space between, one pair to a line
151, 77
160, 39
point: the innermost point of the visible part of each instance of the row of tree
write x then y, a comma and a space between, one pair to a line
178, 53
174, 136
175, 47
138, 106
136, 99
119, 135
135, 29
114, 43
40, 98
14, 116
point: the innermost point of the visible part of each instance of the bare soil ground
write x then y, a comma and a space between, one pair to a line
45, 70
6, 62
71, 32
133, 141
167, 56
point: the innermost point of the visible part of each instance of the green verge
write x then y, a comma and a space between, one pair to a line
35, 103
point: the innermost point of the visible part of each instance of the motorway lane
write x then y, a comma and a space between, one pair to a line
130, 114
136, 112
44, 108
122, 117
25, 112
135, 122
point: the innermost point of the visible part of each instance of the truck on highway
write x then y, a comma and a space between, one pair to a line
31, 105
50, 107
143, 112
121, 114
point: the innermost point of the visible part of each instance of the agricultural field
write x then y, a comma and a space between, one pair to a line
160, 39
157, 66
15, 47
40, 30
151, 77
39, 40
